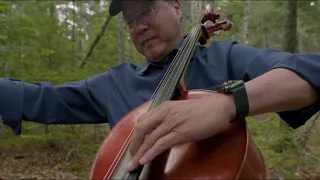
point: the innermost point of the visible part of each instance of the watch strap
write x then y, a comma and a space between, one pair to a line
241, 103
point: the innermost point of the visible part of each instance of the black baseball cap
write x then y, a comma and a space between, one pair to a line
116, 6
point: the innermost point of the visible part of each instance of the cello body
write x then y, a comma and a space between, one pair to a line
231, 154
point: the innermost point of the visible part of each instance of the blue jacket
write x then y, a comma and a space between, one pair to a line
107, 97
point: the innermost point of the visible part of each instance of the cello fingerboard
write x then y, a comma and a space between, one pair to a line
168, 85
121, 171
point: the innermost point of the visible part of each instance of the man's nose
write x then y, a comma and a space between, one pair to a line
141, 27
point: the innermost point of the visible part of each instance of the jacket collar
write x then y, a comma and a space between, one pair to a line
147, 63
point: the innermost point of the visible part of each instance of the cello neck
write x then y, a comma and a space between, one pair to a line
175, 73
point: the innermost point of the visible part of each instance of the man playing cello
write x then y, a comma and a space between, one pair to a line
273, 82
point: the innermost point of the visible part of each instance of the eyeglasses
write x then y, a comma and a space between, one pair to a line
143, 16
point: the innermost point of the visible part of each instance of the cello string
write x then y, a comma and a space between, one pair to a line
177, 72
124, 159
179, 65
172, 65
176, 65
177, 55
164, 80
155, 94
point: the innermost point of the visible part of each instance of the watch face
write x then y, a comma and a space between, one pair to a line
230, 84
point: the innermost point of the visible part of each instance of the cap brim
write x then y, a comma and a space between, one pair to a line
115, 7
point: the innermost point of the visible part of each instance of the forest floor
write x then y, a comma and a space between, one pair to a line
66, 152
40, 163
34, 164
69, 155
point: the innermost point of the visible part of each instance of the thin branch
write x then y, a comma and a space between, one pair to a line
307, 133
96, 41
316, 128
310, 155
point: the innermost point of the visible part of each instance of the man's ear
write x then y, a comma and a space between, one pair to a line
177, 7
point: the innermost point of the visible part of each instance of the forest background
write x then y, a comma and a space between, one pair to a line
49, 40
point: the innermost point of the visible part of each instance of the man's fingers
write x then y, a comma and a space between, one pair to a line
145, 125
137, 138
148, 142
159, 147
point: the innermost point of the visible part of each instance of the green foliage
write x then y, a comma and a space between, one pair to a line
292, 162
37, 44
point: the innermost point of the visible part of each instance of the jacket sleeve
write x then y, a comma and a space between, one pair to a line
248, 63
69, 103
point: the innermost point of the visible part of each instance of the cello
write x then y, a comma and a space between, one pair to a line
231, 154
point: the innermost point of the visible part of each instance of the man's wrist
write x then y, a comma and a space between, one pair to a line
230, 106
236, 89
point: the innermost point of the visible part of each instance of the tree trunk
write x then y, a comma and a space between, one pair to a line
120, 44
300, 37
186, 12
245, 21
73, 31
290, 27
290, 45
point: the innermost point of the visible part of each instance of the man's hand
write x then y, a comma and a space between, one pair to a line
177, 122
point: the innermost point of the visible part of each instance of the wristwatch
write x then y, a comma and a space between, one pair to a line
238, 90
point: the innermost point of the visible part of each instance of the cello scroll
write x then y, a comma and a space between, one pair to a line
212, 25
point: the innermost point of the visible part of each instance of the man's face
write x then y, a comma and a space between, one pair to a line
156, 28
